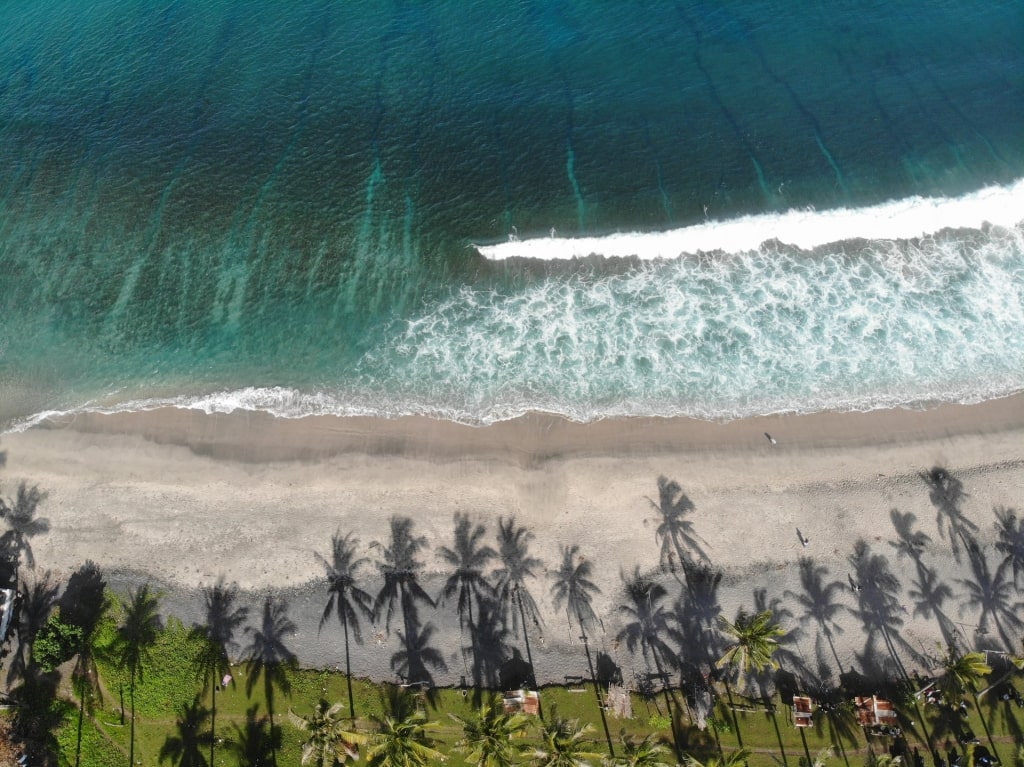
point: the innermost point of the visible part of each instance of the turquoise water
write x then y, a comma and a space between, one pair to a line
276, 206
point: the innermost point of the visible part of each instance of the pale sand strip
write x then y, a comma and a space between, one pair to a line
184, 496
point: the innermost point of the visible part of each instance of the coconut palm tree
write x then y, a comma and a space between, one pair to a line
81, 605
346, 598
329, 743
564, 744
961, 673
753, 640
212, 662
733, 759
137, 633
22, 525
401, 570
268, 656
646, 752
487, 735
186, 748
402, 741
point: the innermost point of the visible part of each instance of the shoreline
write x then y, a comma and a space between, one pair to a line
182, 498
257, 437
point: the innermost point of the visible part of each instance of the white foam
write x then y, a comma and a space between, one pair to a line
807, 229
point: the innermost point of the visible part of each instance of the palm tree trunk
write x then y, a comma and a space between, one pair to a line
807, 751
988, 733
770, 710
832, 645
348, 672
529, 655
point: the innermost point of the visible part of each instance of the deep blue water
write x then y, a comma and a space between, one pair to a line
274, 205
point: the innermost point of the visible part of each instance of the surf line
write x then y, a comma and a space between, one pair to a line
805, 228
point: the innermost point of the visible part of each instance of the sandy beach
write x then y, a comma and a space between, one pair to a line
180, 497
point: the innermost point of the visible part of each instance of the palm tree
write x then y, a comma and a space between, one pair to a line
734, 759
647, 621
646, 752
269, 657
185, 748
563, 745
212, 663
329, 742
81, 605
961, 673
402, 742
137, 633
487, 736
255, 743
510, 580
345, 597
573, 587
754, 640
22, 525
1011, 539
818, 601
401, 570
675, 532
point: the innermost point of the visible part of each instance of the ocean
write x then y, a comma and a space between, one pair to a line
476, 209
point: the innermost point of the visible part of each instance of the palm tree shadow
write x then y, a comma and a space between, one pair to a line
695, 614
928, 592
878, 608
489, 644
401, 570
33, 610
20, 515
819, 603
186, 747
268, 655
1010, 543
991, 594
255, 742
675, 532
413, 663
947, 495
515, 601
